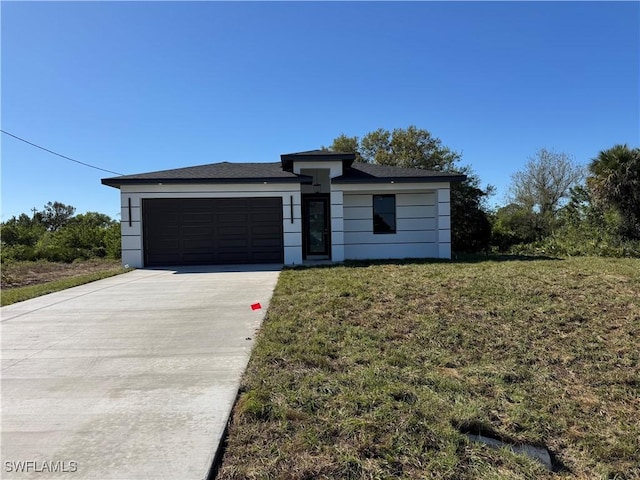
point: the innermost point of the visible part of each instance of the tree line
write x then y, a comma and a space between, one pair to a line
56, 234
560, 207
555, 205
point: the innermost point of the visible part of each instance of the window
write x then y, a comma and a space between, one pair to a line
384, 214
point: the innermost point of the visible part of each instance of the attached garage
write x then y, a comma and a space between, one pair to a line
206, 231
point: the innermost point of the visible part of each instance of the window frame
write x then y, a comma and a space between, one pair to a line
376, 225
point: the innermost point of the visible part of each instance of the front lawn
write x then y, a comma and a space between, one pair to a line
378, 371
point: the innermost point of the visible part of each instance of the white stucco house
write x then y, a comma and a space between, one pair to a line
315, 205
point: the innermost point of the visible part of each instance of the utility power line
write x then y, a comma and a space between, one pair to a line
58, 154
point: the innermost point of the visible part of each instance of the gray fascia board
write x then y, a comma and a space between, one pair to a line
287, 161
310, 157
116, 183
378, 180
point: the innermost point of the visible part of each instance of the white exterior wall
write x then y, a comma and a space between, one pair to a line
335, 167
422, 222
132, 243
337, 227
444, 223
321, 177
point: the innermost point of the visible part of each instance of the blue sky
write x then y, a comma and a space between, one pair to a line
137, 87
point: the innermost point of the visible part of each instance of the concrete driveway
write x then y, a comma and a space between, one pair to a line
131, 377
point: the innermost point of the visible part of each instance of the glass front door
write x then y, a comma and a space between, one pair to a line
316, 228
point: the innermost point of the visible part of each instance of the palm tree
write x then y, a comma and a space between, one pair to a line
615, 182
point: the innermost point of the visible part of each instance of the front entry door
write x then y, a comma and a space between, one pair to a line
315, 215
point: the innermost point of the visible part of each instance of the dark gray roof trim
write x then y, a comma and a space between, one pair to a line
214, 173
256, 173
115, 182
316, 156
371, 173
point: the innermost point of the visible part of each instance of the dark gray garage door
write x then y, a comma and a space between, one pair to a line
205, 231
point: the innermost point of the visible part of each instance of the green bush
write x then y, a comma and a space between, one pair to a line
514, 225
112, 241
50, 248
569, 243
84, 236
580, 228
21, 230
18, 252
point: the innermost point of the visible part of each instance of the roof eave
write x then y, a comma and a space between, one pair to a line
337, 156
443, 179
287, 159
117, 183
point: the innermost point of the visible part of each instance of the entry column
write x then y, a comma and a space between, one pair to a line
337, 226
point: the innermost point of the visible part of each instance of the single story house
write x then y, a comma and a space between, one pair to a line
315, 205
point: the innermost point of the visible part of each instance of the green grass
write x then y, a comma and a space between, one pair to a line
375, 371
19, 294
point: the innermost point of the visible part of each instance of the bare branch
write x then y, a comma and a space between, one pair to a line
545, 181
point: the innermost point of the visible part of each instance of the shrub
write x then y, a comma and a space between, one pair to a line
89, 235
112, 241
18, 252
50, 248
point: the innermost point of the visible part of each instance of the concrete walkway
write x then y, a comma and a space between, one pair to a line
131, 377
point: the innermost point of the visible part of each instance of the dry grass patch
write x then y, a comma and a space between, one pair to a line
375, 371
24, 280
21, 274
